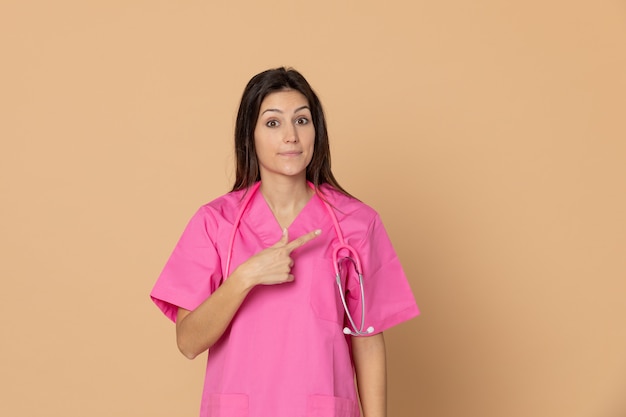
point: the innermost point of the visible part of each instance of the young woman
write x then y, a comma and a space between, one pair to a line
266, 277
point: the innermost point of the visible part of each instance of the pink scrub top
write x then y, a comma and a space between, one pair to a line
285, 353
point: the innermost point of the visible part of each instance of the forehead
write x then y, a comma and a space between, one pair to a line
284, 100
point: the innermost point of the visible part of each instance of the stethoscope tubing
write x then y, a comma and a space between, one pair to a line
353, 257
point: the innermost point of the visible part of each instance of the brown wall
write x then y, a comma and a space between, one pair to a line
490, 136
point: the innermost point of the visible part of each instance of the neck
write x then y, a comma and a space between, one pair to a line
286, 197
285, 194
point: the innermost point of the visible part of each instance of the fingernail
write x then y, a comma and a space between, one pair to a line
318, 232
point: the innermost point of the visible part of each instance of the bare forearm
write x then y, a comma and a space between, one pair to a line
198, 330
371, 373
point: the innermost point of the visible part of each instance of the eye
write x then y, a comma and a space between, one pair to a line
302, 121
272, 123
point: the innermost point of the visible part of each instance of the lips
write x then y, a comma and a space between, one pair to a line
290, 153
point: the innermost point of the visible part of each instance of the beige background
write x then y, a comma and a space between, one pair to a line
490, 136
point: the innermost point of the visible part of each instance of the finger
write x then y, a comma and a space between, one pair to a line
296, 243
284, 239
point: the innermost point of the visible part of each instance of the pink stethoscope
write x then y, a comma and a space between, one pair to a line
352, 257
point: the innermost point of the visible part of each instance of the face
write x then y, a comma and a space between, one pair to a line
284, 135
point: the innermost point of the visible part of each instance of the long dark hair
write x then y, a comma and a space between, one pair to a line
279, 79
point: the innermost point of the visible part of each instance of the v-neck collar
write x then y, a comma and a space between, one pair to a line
260, 216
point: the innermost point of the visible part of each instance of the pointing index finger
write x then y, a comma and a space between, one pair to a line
296, 243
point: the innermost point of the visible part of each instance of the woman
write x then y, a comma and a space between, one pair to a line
252, 279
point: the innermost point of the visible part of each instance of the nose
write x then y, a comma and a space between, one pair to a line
291, 134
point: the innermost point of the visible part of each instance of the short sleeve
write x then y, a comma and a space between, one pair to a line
193, 270
388, 297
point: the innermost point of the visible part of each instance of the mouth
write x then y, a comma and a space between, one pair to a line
290, 153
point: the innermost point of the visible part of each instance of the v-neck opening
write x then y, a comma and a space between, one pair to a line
263, 224
297, 216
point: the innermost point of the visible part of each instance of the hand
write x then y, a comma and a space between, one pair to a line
273, 265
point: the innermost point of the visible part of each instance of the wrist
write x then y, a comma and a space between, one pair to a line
242, 282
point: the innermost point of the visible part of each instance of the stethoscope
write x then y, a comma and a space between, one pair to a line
351, 257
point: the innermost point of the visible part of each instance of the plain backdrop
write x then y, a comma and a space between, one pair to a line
490, 136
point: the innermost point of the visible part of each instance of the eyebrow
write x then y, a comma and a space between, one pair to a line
280, 111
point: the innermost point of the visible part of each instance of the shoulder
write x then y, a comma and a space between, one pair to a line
224, 203
348, 207
222, 208
360, 223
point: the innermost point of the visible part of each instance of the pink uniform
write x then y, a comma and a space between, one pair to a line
285, 353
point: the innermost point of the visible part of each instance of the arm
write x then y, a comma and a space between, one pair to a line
371, 374
198, 330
